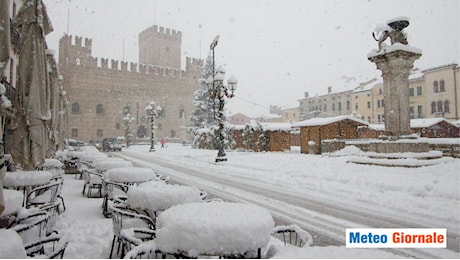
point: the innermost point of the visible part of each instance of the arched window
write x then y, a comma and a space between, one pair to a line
182, 113
440, 106
75, 107
435, 86
446, 106
99, 109
442, 87
433, 107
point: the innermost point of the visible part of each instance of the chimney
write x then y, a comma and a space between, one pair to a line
306, 94
329, 90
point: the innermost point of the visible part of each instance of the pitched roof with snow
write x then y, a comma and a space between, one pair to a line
327, 120
414, 123
275, 126
426, 122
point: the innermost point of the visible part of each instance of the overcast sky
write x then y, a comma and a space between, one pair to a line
277, 49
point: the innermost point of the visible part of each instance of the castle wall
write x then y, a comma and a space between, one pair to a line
115, 85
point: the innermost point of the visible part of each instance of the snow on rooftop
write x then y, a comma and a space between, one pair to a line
415, 123
366, 86
327, 120
266, 126
426, 122
416, 75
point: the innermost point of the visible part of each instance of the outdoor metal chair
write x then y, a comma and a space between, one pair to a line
52, 247
52, 209
124, 218
44, 194
32, 226
93, 181
111, 189
293, 235
133, 237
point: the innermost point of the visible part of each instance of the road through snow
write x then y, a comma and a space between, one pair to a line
323, 216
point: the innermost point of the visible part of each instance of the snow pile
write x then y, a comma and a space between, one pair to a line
12, 246
130, 174
346, 151
52, 163
13, 202
105, 164
394, 47
213, 228
91, 157
26, 178
157, 195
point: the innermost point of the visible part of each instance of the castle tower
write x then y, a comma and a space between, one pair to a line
160, 46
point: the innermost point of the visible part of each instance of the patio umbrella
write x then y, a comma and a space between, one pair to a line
33, 93
62, 112
4, 58
53, 123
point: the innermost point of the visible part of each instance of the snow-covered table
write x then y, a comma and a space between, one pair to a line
54, 166
130, 175
26, 180
21, 179
13, 202
110, 163
155, 196
214, 228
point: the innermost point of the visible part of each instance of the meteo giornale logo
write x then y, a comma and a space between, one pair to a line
396, 238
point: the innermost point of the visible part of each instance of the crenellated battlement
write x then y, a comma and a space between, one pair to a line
124, 66
76, 42
161, 32
77, 53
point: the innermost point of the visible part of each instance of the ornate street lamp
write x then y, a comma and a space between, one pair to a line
128, 120
217, 89
152, 114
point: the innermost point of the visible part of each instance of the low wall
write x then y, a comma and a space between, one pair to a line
398, 147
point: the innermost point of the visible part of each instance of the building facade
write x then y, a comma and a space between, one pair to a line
102, 92
433, 92
330, 104
441, 87
291, 115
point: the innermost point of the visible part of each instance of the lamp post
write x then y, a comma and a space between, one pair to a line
128, 119
152, 113
217, 89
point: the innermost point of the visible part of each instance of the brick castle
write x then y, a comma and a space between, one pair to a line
102, 91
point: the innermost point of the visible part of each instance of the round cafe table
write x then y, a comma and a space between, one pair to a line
214, 229
130, 175
156, 196
26, 180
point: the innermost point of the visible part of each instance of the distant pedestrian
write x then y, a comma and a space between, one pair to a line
163, 142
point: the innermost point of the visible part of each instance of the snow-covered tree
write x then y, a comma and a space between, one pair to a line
203, 116
204, 123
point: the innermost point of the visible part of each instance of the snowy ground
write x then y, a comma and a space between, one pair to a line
426, 196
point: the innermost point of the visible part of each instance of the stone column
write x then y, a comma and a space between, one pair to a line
396, 66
